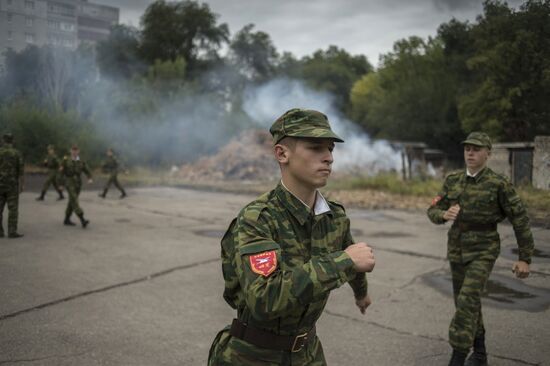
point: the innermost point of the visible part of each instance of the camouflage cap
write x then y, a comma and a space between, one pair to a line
478, 139
302, 123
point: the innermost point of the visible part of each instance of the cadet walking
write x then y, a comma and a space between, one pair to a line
477, 199
111, 166
286, 251
52, 163
71, 169
11, 184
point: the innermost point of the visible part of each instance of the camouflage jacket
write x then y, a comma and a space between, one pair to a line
11, 167
309, 262
72, 170
110, 165
51, 162
487, 198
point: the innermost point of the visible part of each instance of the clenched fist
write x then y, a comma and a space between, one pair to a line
452, 212
362, 257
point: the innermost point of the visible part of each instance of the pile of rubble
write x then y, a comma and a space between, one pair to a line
247, 157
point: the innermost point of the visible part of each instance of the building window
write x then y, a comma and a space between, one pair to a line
9, 2
29, 37
54, 24
59, 8
10, 36
29, 5
10, 18
29, 21
67, 27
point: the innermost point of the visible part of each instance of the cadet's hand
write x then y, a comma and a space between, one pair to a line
90, 181
452, 212
521, 269
362, 257
363, 303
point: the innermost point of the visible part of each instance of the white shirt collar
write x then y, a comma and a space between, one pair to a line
470, 174
77, 158
321, 204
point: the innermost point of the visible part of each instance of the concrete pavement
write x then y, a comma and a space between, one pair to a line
142, 286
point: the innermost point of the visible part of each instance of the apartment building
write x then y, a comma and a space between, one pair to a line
65, 23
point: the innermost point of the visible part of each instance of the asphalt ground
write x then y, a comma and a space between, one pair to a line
142, 285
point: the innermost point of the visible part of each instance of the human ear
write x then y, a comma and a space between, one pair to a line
282, 153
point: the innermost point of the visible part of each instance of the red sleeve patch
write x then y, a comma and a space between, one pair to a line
436, 200
264, 263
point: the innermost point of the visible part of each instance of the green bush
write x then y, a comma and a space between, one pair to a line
34, 128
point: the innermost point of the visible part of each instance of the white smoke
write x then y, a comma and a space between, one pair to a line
359, 153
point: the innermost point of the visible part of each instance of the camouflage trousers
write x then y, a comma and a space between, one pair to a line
73, 190
230, 351
51, 180
469, 280
113, 179
11, 197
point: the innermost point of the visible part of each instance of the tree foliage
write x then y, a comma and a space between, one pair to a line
254, 53
118, 56
492, 75
185, 29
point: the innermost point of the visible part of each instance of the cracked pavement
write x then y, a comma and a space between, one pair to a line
142, 286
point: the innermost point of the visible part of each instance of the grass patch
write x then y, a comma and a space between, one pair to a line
536, 200
388, 183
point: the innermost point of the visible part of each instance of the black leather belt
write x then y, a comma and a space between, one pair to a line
264, 339
472, 226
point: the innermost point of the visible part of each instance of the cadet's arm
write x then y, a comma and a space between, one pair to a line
515, 211
21, 174
280, 292
86, 171
439, 206
359, 283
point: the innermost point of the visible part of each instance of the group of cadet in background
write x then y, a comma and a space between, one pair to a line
62, 174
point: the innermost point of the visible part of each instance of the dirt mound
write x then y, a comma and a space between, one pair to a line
247, 157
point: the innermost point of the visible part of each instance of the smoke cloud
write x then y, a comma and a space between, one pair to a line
359, 153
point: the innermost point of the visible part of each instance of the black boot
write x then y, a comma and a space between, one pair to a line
14, 236
83, 221
123, 195
68, 221
61, 196
2, 234
479, 356
458, 358
102, 195
41, 198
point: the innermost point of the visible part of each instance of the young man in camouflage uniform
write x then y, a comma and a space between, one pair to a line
476, 200
71, 170
52, 163
11, 184
111, 167
286, 251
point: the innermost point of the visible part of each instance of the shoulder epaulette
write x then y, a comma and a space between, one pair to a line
338, 204
453, 173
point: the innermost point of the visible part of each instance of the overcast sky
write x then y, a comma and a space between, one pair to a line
368, 27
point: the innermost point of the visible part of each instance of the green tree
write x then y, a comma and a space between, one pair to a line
411, 97
181, 29
511, 70
118, 56
253, 53
333, 70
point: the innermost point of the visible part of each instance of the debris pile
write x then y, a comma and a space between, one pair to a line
247, 157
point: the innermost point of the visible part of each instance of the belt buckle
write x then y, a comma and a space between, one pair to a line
302, 343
